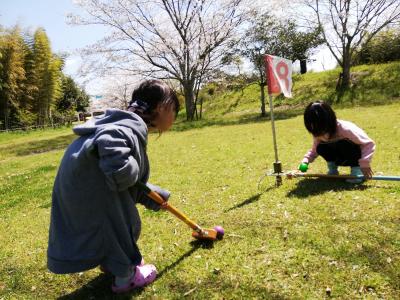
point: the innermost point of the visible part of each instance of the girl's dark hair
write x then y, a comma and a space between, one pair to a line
319, 119
148, 95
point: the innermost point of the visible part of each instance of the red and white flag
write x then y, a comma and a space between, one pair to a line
279, 75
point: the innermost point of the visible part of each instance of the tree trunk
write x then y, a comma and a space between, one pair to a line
189, 100
262, 99
303, 66
6, 113
346, 74
262, 84
201, 107
344, 83
51, 118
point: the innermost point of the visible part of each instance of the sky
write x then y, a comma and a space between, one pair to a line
51, 15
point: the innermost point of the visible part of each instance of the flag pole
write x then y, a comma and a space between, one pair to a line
277, 163
278, 72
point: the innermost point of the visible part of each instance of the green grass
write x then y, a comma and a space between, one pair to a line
291, 242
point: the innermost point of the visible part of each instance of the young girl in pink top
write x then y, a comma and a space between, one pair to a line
340, 143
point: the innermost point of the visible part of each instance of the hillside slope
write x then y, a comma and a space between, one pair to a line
371, 85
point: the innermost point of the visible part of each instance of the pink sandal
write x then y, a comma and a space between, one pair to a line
144, 275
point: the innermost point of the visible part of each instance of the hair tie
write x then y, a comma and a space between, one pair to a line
139, 105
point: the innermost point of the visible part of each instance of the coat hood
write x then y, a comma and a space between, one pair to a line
116, 117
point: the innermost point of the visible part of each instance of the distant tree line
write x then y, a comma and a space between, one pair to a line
33, 89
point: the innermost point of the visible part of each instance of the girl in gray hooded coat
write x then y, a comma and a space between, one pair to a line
94, 220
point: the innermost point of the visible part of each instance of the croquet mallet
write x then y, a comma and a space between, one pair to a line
199, 233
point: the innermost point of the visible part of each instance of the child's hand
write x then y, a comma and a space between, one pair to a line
164, 205
367, 172
163, 193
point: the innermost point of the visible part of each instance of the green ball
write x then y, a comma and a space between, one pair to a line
303, 167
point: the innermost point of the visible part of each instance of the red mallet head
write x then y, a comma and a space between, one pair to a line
217, 233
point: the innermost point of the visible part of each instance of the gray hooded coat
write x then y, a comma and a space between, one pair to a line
94, 220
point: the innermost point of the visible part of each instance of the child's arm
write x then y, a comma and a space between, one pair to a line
312, 154
115, 159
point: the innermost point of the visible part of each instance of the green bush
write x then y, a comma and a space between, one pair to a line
382, 48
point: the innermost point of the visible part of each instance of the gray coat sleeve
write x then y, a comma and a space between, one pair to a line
116, 160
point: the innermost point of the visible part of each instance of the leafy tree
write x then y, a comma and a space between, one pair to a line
83, 101
30, 78
28, 86
12, 75
302, 43
268, 35
46, 77
70, 94
41, 62
73, 99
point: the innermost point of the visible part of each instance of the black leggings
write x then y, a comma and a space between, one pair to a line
342, 152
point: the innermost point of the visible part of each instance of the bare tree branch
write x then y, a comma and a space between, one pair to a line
352, 23
177, 39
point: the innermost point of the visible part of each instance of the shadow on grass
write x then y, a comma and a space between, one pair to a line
250, 200
205, 244
42, 146
310, 187
97, 288
100, 287
243, 119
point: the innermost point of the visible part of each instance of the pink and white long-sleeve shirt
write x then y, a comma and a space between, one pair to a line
350, 131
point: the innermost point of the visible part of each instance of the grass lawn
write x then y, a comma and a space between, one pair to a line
309, 239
